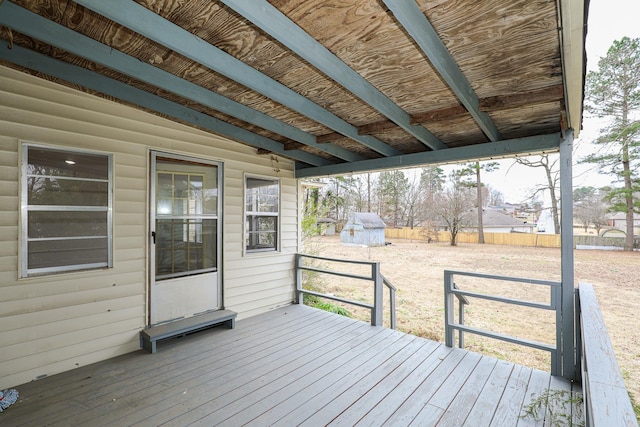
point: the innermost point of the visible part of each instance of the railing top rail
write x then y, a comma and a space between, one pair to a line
388, 284
504, 278
514, 301
346, 261
607, 400
336, 273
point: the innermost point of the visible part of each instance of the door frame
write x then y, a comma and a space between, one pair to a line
154, 154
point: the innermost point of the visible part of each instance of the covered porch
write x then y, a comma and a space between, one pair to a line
296, 365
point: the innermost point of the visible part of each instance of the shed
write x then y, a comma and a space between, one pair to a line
326, 226
365, 229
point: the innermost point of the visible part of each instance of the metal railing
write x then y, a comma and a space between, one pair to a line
451, 290
376, 277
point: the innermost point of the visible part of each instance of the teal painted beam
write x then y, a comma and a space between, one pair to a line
160, 30
275, 23
40, 28
85, 78
491, 150
418, 26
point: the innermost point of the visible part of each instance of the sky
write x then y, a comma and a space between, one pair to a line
608, 20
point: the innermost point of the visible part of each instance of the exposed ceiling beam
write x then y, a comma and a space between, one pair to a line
441, 114
275, 23
35, 26
539, 96
162, 31
491, 103
97, 82
491, 150
418, 26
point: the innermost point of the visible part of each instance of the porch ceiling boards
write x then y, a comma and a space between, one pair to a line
337, 86
295, 365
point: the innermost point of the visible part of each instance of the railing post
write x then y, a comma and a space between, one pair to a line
566, 239
448, 309
299, 297
392, 308
556, 357
461, 321
376, 312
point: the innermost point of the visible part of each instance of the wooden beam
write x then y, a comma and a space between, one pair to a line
292, 145
164, 32
376, 127
97, 82
420, 29
328, 137
275, 23
441, 114
490, 150
40, 28
505, 102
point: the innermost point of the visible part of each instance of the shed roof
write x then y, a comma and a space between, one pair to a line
335, 86
368, 220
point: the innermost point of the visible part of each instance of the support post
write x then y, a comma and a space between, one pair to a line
567, 273
449, 332
376, 312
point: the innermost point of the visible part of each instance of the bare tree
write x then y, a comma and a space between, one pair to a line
589, 207
455, 206
550, 167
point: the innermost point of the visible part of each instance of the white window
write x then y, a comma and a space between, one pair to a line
262, 214
66, 210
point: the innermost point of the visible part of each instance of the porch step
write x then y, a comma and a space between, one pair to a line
150, 336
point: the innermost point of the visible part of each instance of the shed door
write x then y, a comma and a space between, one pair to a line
185, 237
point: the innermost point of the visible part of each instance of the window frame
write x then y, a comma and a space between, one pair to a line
250, 214
26, 208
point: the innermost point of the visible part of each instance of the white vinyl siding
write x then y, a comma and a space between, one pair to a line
57, 322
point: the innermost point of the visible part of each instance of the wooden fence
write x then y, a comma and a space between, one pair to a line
514, 239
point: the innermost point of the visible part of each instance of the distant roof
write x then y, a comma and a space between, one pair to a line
369, 220
497, 218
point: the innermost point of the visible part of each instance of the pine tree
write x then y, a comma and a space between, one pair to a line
613, 92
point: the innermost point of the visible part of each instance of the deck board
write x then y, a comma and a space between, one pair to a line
291, 366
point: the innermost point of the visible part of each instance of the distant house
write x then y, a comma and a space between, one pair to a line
619, 221
497, 221
366, 229
493, 221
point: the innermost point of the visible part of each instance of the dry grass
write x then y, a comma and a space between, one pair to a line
416, 269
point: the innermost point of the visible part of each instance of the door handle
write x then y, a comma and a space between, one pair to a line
153, 237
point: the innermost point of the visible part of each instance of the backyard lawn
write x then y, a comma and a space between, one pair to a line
416, 269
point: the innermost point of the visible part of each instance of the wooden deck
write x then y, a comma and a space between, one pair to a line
291, 366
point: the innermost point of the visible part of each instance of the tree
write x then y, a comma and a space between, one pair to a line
550, 167
613, 93
473, 170
455, 205
393, 185
589, 207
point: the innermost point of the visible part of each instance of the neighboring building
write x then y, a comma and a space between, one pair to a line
363, 229
326, 226
619, 221
493, 221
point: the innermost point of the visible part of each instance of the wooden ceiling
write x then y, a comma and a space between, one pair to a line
337, 86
